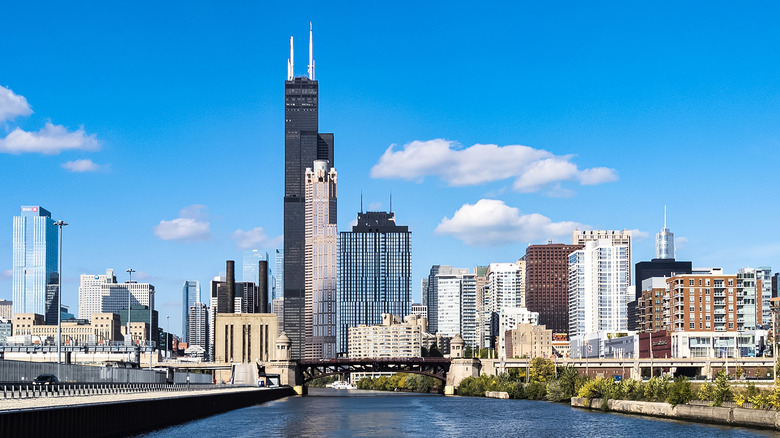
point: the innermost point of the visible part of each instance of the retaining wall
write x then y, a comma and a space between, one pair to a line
125, 418
733, 416
18, 371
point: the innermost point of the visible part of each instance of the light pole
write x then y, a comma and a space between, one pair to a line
59, 224
130, 272
151, 311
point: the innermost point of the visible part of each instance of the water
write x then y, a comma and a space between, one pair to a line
335, 413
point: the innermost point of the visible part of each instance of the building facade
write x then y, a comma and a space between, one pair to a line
504, 289
245, 338
391, 338
190, 294
599, 278
35, 260
528, 341
321, 234
374, 273
547, 284
303, 144
105, 327
102, 294
198, 327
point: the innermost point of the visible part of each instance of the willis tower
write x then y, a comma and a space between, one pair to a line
303, 144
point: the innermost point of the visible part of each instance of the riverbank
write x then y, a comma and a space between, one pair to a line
123, 415
732, 416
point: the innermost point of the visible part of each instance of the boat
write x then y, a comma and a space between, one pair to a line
340, 384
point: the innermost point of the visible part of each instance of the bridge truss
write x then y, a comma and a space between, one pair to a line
436, 367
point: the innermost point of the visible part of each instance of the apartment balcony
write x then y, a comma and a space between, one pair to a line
720, 311
720, 302
678, 295
720, 321
719, 295
720, 329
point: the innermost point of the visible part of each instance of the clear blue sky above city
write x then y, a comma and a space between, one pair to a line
156, 129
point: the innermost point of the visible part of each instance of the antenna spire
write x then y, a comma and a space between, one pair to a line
361, 201
290, 66
391, 202
664, 217
311, 54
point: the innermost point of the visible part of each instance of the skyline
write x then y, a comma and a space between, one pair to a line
663, 105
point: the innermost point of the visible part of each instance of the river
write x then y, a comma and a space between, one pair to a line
340, 413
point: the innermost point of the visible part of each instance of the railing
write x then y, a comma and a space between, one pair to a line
27, 390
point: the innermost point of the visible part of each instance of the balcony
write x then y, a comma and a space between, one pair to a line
720, 311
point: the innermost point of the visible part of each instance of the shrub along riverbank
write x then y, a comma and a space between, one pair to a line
399, 382
545, 382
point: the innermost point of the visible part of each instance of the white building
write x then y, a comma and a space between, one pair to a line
456, 288
102, 294
599, 277
199, 327
504, 288
392, 338
623, 238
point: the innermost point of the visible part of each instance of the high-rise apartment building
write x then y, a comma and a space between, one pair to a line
190, 294
321, 232
102, 294
547, 284
6, 309
303, 144
503, 290
198, 328
374, 273
457, 304
430, 296
580, 237
764, 275
480, 280
278, 290
35, 261
598, 287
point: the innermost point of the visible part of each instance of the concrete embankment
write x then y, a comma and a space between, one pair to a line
121, 416
700, 414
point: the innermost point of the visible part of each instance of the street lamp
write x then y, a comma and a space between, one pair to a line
151, 311
130, 272
59, 224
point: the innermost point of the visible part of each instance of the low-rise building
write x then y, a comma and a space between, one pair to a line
392, 338
103, 328
245, 337
528, 341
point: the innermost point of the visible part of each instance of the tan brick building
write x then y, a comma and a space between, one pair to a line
245, 337
104, 328
529, 340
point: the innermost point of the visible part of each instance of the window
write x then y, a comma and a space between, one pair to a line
690, 282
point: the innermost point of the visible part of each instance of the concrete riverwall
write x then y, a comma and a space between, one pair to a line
128, 417
699, 414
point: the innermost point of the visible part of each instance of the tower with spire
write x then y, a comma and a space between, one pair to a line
303, 145
664, 243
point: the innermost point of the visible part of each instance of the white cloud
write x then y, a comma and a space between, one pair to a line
81, 166
50, 140
482, 163
12, 105
492, 222
638, 235
375, 206
255, 238
191, 225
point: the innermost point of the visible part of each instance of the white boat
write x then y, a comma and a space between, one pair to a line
340, 384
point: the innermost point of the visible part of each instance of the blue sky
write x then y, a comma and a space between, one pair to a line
156, 130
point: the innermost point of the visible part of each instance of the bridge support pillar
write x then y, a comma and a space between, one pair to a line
289, 373
636, 370
459, 370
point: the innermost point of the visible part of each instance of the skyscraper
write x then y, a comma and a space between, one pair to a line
430, 296
580, 237
457, 305
321, 183
374, 273
190, 294
34, 260
303, 144
598, 288
547, 284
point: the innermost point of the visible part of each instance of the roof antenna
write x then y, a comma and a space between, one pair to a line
361, 201
290, 67
391, 202
311, 54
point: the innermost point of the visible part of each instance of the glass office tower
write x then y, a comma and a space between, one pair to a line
34, 260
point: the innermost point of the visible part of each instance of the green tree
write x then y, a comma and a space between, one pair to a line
542, 370
679, 392
722, 391
468, 353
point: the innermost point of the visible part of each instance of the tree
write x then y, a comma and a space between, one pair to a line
542, 370
468, 352
722, 391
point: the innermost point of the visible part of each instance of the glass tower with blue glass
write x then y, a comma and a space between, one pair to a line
34, 260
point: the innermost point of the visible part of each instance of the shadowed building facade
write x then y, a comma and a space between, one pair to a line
547, 284
374, 273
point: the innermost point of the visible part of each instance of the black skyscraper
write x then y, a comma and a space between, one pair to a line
302, 145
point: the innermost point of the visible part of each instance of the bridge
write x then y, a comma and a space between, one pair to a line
436, 367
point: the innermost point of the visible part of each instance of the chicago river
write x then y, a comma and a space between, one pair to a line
329, 412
